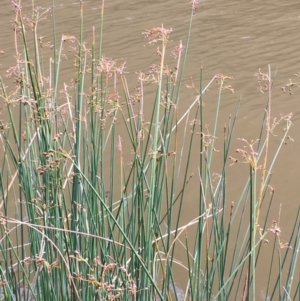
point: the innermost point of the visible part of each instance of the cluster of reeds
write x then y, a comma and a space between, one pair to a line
83, 218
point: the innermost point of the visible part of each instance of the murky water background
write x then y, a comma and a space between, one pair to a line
233, 37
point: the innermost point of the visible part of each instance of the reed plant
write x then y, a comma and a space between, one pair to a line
80, 223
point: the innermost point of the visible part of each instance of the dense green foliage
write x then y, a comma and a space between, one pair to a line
79, 223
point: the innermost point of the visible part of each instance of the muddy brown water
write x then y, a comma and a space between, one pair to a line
232, 37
